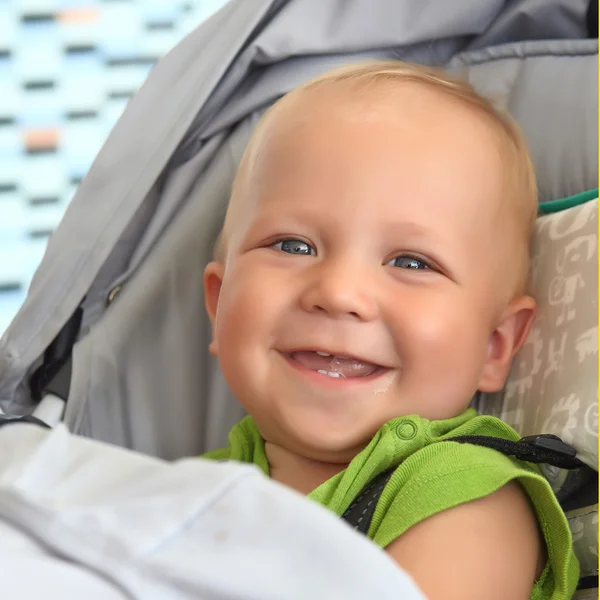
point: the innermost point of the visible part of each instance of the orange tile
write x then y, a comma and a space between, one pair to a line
82, 14
40, 139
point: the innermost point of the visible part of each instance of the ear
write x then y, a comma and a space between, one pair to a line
505, 341
213, 279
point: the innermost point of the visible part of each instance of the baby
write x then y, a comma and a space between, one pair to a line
369, 280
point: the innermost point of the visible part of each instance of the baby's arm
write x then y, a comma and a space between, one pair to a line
488, 548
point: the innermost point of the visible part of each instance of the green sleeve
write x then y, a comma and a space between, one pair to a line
220, 454
245, 445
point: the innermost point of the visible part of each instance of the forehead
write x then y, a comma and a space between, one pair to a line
409, 144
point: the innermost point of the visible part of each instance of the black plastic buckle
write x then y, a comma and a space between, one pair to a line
552, 443
7, 420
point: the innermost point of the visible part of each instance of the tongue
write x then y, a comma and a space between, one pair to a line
344, 367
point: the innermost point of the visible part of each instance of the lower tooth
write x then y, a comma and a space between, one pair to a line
329, 373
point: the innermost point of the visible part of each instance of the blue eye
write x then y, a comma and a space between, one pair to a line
408, 262
292, 246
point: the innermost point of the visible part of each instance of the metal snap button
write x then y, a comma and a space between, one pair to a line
406, 430
113, 294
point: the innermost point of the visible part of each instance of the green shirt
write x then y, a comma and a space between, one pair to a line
431, 477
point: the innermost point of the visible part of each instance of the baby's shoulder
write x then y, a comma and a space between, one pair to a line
489, 547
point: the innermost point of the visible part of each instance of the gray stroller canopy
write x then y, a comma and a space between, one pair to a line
128, 257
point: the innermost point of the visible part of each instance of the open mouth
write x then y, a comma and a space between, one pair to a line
333, 365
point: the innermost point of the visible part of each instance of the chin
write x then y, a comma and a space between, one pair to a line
331, 447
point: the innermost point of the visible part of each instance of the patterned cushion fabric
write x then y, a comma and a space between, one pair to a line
553, 385
583, 523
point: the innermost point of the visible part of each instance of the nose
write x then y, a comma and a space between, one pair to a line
340, 290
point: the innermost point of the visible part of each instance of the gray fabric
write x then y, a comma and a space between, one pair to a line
146, 215
552, 91
536, 20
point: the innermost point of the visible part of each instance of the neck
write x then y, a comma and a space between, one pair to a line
298, 472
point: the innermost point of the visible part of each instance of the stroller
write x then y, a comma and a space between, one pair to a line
112, 338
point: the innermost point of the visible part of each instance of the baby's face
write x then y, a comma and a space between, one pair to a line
362, 276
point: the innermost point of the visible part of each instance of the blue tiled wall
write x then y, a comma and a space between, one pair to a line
67, 70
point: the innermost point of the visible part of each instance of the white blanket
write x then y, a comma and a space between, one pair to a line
81, 519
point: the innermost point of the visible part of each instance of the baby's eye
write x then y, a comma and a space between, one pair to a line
292, 246
408, 262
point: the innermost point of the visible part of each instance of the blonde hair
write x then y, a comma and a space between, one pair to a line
522, 193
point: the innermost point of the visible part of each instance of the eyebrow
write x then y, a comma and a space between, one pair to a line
302, 216
408, 228
296, 217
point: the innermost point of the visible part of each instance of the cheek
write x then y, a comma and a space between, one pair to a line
240, 326
240, 308
251, 303
442, 335
442, 347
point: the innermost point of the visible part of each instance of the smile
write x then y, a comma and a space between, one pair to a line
336, 369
